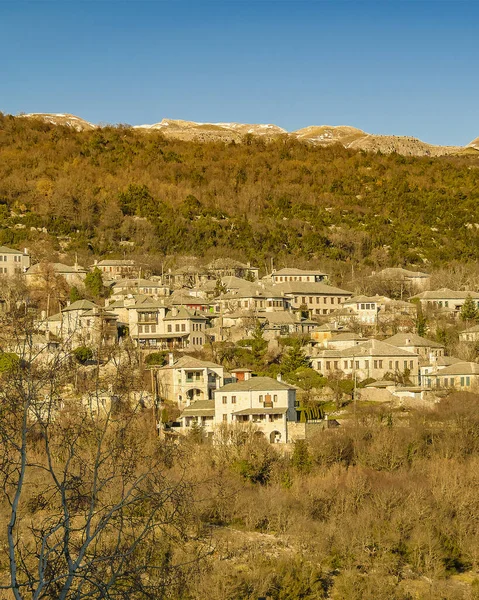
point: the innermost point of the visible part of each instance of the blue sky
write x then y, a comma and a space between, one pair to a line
405, 68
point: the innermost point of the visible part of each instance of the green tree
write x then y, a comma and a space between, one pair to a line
83, 354
293, 359
469, 310
9, 361
94, 284
220, 288
75, 294
258, 344
156, 358
301, 458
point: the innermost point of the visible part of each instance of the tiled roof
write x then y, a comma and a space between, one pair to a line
189, 362
184, 313
257, 384
262, 411
5, 250
200, 408
369, 348
445, 294
80, 305
460, 368
309, 287
294, 271
412, 339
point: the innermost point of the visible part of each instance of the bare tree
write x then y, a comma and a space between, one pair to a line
96, 505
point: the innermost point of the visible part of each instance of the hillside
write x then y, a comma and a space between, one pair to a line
349, 137
116, 191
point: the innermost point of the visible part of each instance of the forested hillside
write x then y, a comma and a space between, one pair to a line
88, 191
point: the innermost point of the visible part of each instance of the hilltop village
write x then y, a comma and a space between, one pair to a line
287, 351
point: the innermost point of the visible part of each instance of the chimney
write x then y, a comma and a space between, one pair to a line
408, 341
279, 377
247, 375
25, 251
171, 359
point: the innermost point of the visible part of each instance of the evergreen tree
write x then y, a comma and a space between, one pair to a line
258, 344
294, 359
75, 294
469, 310
94, 284
301, 459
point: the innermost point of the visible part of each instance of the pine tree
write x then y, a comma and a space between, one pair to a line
94, 284
294, 359
469, 310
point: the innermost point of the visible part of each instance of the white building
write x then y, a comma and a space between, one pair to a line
267, 403
13, 262
292, 274
187, 380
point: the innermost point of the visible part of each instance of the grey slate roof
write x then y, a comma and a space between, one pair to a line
190, 362
261, 411
445, 294
412, 339
256, 384
309, 287
460, 368
80, 305
200, 408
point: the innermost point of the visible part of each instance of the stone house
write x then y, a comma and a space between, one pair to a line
292, 274
371, 359
267, 403
13, 262
446, 301
316, 298
188, 380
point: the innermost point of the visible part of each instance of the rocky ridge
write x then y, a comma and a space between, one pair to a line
349, 137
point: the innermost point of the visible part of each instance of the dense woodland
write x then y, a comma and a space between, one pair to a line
92, 192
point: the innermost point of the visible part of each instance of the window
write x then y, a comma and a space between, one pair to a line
468, 381
462, 381
177, 327
345, 364
225, 418
225, 400
169, 328
336, 364
375, 364
310, 300
405, 364
390, 365
233, 399
357, 364
328, 365
275, 397
397, 365
140, 328
183, 327
380, 364
411, 364
366, 364
261, 398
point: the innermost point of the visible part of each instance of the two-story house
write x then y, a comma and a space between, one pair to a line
13, 262
116, 269
446, 301
267, 403
314, 297
292, 274
187, 380
370, 359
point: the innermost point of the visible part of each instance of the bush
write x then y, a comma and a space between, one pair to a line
83, 354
